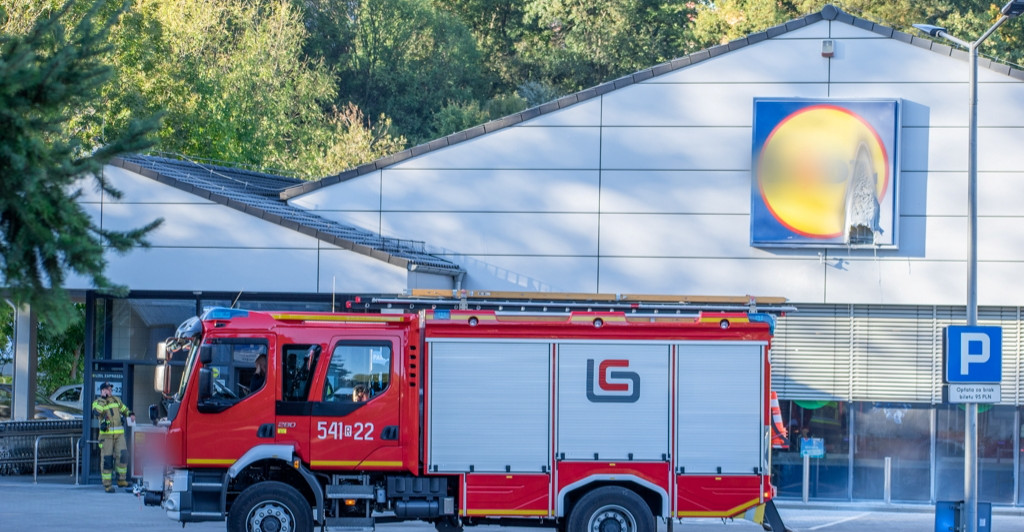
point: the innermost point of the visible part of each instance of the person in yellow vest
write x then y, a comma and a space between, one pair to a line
111, 413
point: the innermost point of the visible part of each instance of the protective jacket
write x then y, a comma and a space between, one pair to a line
111, 413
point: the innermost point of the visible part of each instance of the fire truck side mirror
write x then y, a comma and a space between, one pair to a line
205, 354
205, 384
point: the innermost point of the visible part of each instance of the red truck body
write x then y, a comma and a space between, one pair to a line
469, 417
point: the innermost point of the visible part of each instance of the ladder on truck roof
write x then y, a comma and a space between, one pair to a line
559, 302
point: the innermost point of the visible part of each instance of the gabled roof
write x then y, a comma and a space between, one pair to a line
258, 194
828, 12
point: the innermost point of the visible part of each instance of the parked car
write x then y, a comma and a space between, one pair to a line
69, 396
45, 408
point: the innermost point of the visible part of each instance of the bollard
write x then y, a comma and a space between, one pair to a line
888, 480
807, 477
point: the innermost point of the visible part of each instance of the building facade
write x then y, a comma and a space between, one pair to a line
824, 160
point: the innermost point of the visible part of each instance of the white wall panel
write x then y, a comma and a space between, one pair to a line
209, 225
656, 191
999, 239
943, 194
499, 233
676, 104
999, 193
677, 235
898, 282
518, 147
586, 113
934, 149
773, 60
672, 148
797, 279
945, 149
529, 273
357, 194
491, 190
924, 104
998, 284
344, 271
140, 189
842, 30
944, 104
189, 269
887, 60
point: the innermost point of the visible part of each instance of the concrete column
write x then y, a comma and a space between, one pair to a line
25, 364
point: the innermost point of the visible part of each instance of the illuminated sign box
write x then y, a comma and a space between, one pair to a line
825, 173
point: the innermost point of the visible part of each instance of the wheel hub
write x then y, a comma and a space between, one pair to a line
270, 517
612, 518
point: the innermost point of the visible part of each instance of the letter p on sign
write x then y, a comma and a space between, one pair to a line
974, 349
974, 354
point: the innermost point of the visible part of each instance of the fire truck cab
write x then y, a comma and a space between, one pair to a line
605, 415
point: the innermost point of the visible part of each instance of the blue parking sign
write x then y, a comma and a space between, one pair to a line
974, 354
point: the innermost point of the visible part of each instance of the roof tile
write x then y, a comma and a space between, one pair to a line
642, 75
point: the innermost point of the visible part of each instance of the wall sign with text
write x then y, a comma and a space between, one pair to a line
825, 173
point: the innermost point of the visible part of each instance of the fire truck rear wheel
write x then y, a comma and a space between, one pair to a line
611, 509
270, 507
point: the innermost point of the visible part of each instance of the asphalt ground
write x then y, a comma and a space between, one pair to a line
56, 504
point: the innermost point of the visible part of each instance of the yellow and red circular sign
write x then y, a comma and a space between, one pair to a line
806, 165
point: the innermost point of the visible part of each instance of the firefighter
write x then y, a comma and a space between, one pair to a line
111, 413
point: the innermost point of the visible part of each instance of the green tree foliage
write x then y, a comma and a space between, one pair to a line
576, 44
350, 140
61, 351
231, 75
48, 76
408, 61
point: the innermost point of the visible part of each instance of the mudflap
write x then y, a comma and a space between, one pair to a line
767, 515
773, 519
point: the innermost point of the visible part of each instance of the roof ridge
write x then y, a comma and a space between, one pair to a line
827, 12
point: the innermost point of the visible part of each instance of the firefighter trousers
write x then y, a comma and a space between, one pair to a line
112, 447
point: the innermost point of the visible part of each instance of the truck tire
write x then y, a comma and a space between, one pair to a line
611, 509
270, 507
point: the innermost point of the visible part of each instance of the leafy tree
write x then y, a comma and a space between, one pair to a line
581, 44
61, 351
408, 61
350, 140
47, 75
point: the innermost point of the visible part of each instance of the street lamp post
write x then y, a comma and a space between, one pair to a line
1010, 10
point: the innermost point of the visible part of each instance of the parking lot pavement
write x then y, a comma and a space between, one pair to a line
55, 504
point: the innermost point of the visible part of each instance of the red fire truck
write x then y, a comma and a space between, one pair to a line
605, 414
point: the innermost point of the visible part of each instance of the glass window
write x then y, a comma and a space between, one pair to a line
995, 453
358, 372
232, 365
299, 364
829, 476
901, 432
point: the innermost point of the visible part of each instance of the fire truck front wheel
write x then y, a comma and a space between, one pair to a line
270, 507
611, 509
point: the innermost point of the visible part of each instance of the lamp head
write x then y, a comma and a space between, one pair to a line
933, 31
1013, 8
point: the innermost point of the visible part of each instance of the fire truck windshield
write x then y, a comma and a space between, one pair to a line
192, 348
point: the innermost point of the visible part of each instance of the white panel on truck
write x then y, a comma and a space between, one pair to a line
720, 404
613, 401
490, 406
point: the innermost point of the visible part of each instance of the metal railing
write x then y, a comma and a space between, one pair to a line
38, 443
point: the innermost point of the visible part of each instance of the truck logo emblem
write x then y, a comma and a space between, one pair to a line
611, 383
